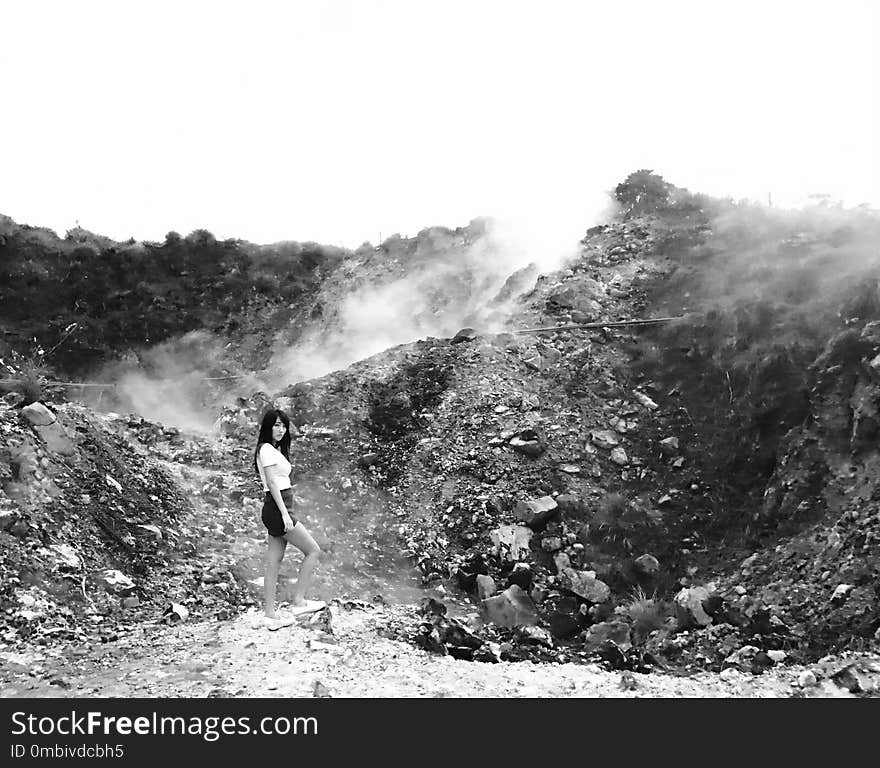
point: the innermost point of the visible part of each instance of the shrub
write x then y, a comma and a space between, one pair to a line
646, 614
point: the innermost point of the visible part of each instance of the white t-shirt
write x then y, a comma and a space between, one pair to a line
271, 460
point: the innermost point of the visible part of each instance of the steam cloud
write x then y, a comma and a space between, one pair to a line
454, 287
168, 383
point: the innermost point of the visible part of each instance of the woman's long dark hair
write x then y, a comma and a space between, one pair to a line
269, 419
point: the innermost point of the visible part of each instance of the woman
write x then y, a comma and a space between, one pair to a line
272, 462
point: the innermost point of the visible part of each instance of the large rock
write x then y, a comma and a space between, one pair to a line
528, 442
512, 608
66, 556
56, 439
604, 438
485, 586
536, 512
511, 541
616, 631
669, 446
38, 415
115, 582
521, 575
689, 610
585, 585
647, 564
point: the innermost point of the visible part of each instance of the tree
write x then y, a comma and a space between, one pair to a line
643, 191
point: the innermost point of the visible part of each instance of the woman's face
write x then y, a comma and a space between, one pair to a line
278, 430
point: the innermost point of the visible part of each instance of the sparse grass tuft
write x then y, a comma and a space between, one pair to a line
646, 613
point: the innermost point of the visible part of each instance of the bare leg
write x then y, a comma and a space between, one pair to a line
303, 541
274, 554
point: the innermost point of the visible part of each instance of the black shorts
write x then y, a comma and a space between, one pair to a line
272, 515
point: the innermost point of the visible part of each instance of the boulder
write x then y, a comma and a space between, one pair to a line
66, 556
646, 401
647, 564
616, 631
115, 582
368, 459
533, 635
536, 512
485, 586
511, 541
585, 585
512, 608
521, 575
465, 334
38, 415
56, 439
669, 446
689, 609
841, 592
528, 442
604, 438
619, 457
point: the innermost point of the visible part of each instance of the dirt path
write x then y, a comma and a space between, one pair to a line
236, 659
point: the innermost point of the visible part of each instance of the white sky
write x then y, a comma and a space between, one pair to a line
337, 121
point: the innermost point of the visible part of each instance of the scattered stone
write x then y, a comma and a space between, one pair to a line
38, 415
56, 439
806, 679
512, 608
321, 691
115, 582
645, 400
551, 544
521, 575
841, 592
511, 541
570, 469
604, 438
66, 556
538, 594
742, 658
535, 635
689, 607
647, 564
616, 631
465, 334
777, 657
536, 512
669, 446
619, 457
485, 586
176, 612
131, 602
585, 585
527, 442
368, 459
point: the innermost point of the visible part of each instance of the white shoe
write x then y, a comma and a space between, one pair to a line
264, 622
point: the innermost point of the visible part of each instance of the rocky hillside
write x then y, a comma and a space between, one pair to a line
693, 494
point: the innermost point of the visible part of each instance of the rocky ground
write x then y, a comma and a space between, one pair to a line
345, 653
